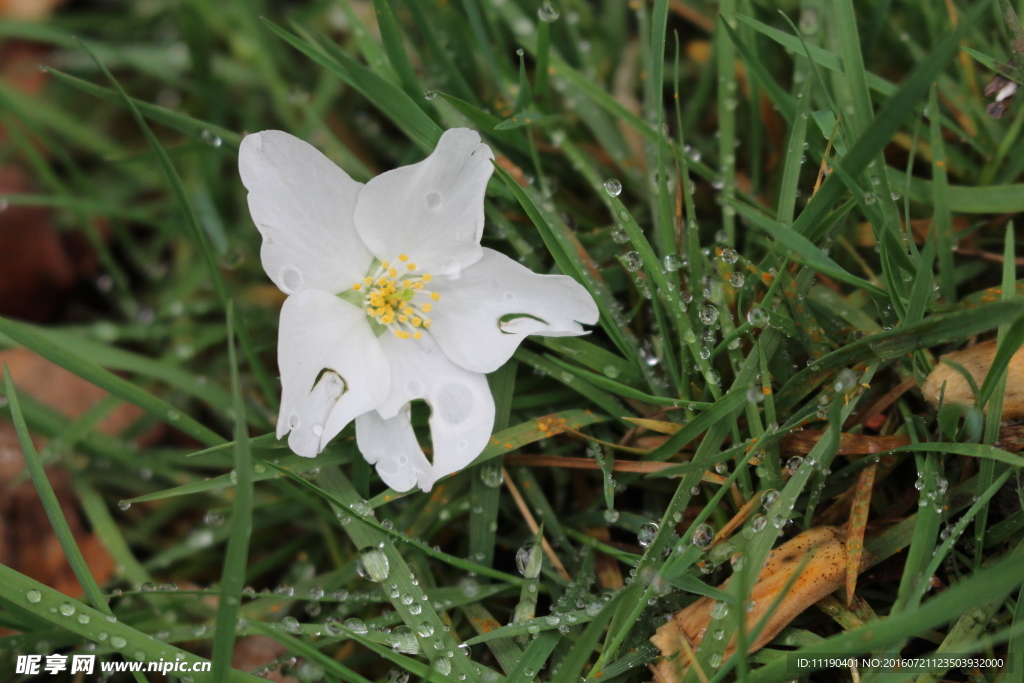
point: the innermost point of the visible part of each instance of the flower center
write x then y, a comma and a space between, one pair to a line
394, 296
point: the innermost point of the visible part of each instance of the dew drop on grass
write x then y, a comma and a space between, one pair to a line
33, 596
491, 476
793, 464
547, 12
768, 498
469, 587
647, 533
443, 666
729, 255
672, 262
610, 370
429, 94
720, 610
123, 504
291, 625
708, 315
118, 641
702, 535
613, 187
398, 675
758, 317
332, 626
83, 618
373, 565
67, 609
632, 261
356, 626
755, 395
611, 515
523, 557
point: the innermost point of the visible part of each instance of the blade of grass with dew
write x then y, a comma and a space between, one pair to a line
196, 232
483, 523
933, 330
504, 650
594, 357
529, 566
887, 122
391, 100
394, 47
50, 503
370, 537
572, 666
44, 602
577, 380
94, 374
808, 252
236, 555
192, 127
292, 463
329, 664
516, 437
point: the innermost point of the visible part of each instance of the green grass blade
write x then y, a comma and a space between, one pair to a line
117, 386
236, 556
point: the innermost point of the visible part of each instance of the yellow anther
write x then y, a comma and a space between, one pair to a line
417, 335
435, 296
357, 286
411, 266
403, 257
417, 321
368, 280
417, 285
385, 265
427, 307
426, 323
392, 272
382, 281
407, 310
402, 334
403, 318
426, 277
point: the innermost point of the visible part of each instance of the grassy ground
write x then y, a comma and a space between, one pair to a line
661, 154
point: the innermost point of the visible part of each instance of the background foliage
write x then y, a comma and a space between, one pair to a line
785, 211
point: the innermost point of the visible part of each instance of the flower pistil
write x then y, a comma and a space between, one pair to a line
395, 297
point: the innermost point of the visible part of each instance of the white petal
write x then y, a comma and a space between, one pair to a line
391, 446
303, 206
321, 332
467, 319
434, 210
462, 408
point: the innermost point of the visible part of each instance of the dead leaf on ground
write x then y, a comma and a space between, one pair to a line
976, 360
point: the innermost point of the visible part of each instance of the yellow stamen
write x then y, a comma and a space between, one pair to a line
426, 277
416, 322
403, 257
385, 265
426, 323
357, 286
435, 296
417, 335
411, 266
427, 307
392, 272
368, 280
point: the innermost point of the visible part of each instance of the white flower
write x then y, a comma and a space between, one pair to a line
392, 298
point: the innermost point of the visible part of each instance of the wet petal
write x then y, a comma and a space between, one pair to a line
332, 369
461, 405
391, 446
468, 319
304, 206
434, 210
